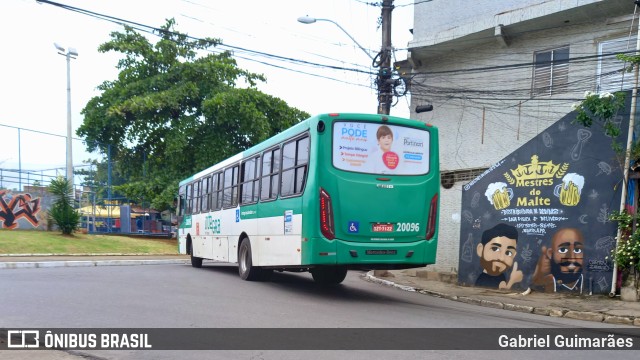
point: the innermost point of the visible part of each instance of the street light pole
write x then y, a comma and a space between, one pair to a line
69, 53
310, 20
383, 59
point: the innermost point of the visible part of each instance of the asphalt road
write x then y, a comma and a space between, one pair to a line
178, 296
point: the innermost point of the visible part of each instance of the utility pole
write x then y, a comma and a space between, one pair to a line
385, 88
625, 177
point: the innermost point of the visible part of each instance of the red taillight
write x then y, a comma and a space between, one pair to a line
433, 217
326, 216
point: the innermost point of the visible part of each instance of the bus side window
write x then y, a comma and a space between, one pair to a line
275, 173
269, 174
230, 193
295, 156
288, 163
206, 194
216, 189
248, 186
180, 201
189, 204
301, 164
234, 187
196, 197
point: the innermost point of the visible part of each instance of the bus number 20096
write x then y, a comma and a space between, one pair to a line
406, 227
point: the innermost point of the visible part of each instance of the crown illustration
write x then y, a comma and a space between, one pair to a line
536, 170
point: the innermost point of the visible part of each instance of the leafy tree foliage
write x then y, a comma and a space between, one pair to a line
62, 211
176, 108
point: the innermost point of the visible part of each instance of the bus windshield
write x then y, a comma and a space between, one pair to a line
380, 149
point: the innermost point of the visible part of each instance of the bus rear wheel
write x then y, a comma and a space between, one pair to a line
329, 275
245, 265
196, 262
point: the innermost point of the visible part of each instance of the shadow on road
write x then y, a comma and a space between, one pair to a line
352, 289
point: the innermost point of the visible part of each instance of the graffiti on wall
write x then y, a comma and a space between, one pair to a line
16, 207
539, 218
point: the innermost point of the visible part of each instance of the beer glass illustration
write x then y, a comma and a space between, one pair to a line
499, 195
569, 191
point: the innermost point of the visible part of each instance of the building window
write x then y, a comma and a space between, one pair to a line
550, 72
611, 75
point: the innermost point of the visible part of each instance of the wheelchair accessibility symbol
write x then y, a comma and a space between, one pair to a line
354, 227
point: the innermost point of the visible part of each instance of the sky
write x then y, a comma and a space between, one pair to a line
33, 76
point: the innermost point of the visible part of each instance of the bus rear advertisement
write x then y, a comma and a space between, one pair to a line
332, 193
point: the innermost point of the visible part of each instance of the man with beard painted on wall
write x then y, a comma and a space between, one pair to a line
497, 252
559, 267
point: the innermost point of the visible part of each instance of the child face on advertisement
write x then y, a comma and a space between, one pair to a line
385, 138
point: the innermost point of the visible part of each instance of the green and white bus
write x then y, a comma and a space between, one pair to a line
332, 193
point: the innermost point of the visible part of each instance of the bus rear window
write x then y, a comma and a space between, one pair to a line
380, 148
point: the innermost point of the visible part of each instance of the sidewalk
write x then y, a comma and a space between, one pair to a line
29, 261
597, 307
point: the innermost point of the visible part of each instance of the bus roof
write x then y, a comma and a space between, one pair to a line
300, 128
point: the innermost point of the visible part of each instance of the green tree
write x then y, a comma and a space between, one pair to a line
62, 212
176, 108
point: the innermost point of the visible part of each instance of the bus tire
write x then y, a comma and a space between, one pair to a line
245, 265
329, 275
196, 262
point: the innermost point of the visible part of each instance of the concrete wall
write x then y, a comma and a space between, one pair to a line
442, 20
24, 210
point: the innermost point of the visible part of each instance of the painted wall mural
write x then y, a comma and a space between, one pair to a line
21, 210
539, 218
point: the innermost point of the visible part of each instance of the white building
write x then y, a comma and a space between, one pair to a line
500, 72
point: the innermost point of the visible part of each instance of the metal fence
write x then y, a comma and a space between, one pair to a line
27, 167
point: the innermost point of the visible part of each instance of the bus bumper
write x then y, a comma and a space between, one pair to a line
371, 255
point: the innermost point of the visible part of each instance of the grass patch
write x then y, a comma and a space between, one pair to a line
46, 242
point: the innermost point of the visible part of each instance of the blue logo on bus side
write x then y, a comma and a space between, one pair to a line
354, 227
237, 215
212, 224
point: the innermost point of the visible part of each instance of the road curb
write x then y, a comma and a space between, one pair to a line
84, 263
83, 254
545, 311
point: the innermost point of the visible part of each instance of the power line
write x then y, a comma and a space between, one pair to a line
155, 31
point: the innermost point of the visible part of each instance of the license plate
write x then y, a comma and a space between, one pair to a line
377, 227
381, 252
